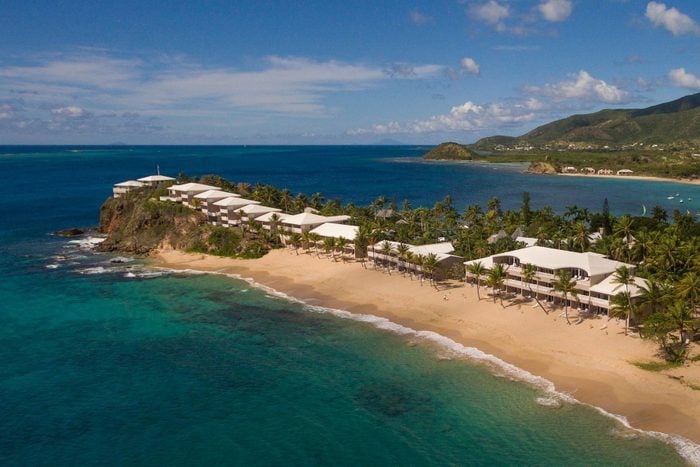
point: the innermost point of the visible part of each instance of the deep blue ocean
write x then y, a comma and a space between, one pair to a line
111, 364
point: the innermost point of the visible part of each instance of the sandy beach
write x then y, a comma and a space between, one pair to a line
685, 181
590, 360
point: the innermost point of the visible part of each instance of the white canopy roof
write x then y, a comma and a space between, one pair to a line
551, 258
234, 201
443, 248
529, 241
156, 178
330, 229
129, 183
257, 209
215, 194
609, 287
267, 217
308, 218
188, 187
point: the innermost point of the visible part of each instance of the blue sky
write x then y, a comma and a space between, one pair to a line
331, 72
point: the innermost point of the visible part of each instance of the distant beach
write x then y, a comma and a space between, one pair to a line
591, 361
685, 181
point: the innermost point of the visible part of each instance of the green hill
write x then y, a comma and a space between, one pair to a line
450, 152
675, 123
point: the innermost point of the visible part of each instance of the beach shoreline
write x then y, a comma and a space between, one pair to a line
644, 178
589, 361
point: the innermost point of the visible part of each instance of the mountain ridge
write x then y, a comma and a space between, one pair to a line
675, 123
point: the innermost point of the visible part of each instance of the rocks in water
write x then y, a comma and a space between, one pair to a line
72, 232
541, 168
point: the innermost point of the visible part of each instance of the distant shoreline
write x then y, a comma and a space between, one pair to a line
644, 178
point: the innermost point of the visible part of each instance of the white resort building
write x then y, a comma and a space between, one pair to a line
155, 180
442, 252
185, 193
225, 210
122, 188
592, 272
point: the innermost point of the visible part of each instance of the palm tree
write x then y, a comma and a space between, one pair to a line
306, 240
314, 238
402, 249
622, 229
565, 284
295, 240
430, 263
529, 271
340, 244
495, 280
477, 270
654, 294
688, 288
620, 306
682, 315
329, 246
624, 276
580, 237
409, 258
386, 251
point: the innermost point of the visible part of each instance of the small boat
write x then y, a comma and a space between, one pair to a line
669, 197
681, 200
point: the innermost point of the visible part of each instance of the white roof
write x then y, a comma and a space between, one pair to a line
443, 248
127, 183
267, 217
609, 287
215, 194
529, 241
257, 209
156, 178
551, 258
234, 201
187, 187
329, 229
308, 218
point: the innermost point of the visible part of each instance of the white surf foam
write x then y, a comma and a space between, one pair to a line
687, 449
88, 242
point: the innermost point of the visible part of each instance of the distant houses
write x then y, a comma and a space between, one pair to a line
592, 171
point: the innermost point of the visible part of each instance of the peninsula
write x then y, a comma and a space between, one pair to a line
522, 285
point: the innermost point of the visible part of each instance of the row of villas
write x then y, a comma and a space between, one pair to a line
591, 171
227, 209
592, 272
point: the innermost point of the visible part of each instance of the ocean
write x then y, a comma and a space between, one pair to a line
114, 364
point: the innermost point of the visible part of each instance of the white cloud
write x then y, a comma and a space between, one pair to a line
281, 84
490, 12
555, 10
671, 19
70, 111
419, 18
469, 66
468, 116
582, 86
680, 77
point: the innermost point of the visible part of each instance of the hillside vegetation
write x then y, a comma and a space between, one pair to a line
671, 126
451, 152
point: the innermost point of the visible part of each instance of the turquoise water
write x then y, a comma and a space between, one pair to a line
105, 364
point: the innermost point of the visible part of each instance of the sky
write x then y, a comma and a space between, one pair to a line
331, 72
